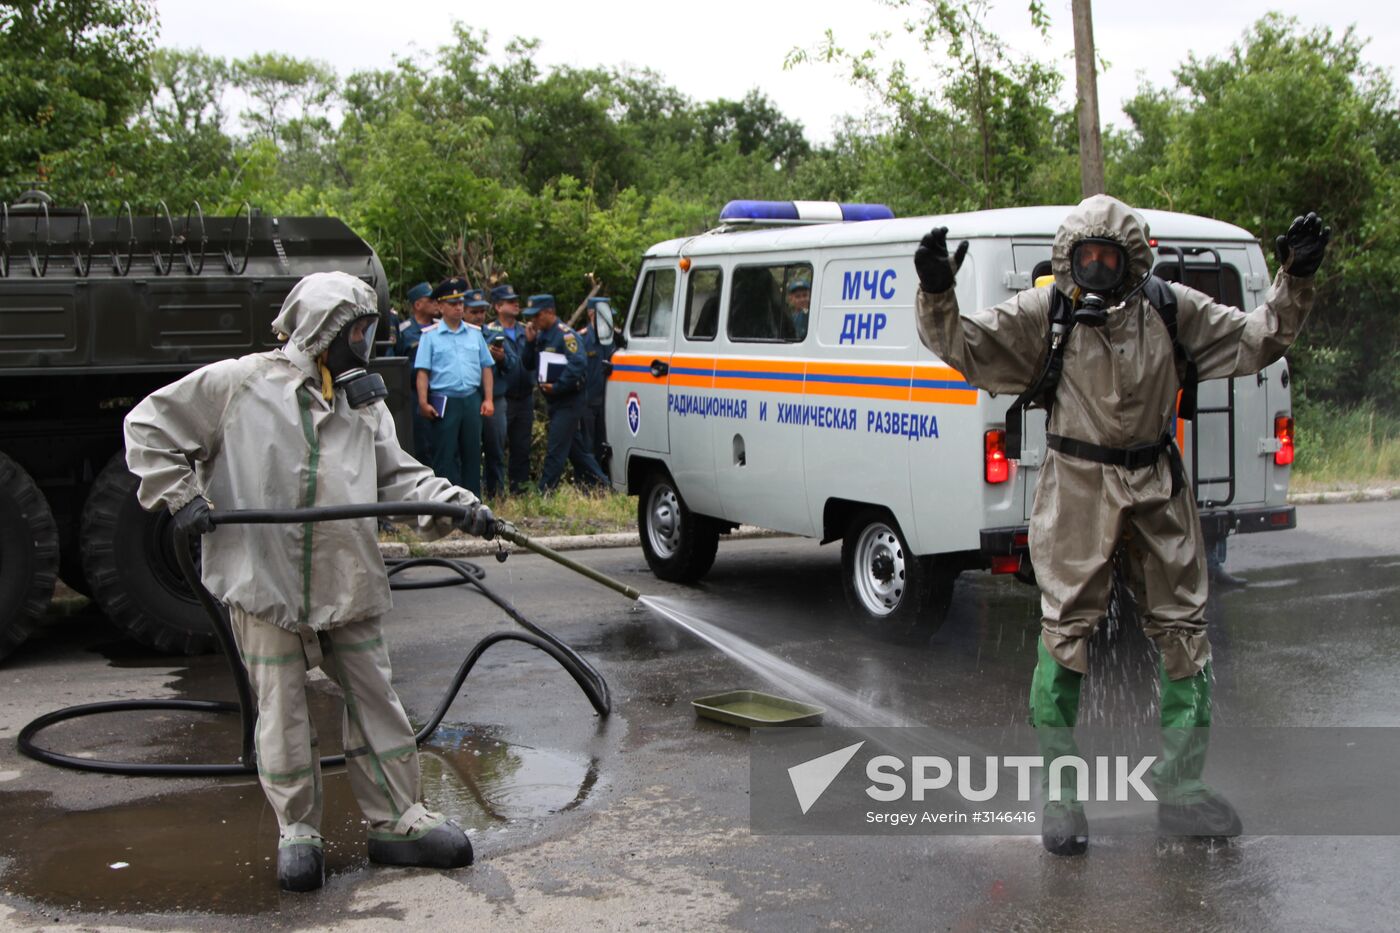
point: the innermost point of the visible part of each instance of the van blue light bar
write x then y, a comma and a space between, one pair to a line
801, 212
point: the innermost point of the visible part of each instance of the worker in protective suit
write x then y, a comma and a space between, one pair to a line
1112, 474
301, 426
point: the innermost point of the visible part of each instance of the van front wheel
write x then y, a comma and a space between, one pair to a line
679, 545
893, 593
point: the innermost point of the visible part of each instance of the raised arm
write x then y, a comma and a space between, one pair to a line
999, 349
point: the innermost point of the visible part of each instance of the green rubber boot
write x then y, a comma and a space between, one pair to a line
1055, 694
1186, 806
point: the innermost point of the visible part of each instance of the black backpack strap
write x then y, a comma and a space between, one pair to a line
1160, 295
1042, 390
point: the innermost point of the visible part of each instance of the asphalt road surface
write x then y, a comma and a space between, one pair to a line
642, 820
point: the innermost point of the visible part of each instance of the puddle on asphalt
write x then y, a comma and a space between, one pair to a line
213, 848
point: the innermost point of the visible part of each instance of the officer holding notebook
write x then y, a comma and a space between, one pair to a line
554, 352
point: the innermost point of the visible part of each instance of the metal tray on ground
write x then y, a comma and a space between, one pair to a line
750, 708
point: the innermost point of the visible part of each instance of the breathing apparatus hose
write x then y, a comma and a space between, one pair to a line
583, 673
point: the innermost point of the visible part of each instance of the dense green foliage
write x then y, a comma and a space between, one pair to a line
465, 161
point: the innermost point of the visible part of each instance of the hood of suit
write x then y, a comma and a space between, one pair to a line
319, 306
1103, 217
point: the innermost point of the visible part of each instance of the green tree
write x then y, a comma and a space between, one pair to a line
75, 74
1289, 120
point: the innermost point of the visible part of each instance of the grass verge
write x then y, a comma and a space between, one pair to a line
566, 511
1354, 448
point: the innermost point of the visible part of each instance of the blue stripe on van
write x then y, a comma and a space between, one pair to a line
942, 384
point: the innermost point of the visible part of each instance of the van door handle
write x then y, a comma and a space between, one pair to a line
660, 368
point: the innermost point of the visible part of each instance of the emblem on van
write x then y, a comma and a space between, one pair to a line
634, 413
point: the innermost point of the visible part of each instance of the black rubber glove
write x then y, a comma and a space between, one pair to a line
194, 518
932, 263
478, 521
1301, 249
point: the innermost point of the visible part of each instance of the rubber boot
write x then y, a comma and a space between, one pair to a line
443, 846
301, 867
1185, 805
1223, 578
1055, 690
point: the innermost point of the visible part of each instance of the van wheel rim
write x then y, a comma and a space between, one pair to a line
664, 524
879, 569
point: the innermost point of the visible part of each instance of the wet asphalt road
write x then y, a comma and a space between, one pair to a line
642, 819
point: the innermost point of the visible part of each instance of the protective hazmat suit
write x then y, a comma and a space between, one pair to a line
276, 430
1117, 393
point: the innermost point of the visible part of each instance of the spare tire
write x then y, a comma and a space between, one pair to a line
129, 561
28, 555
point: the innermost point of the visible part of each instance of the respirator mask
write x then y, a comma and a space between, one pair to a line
347, 357
1099, 266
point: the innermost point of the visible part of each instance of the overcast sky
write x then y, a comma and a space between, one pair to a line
722, 48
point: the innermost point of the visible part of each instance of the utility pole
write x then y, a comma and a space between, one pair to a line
1086, 78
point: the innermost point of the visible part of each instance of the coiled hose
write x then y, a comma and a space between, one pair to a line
583, 673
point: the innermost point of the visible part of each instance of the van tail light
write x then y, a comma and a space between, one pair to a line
995, 467
1283, 433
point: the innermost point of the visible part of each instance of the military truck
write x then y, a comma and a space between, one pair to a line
95, 313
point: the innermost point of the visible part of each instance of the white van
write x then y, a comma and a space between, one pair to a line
726, 406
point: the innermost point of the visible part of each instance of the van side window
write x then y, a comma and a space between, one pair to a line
1219, 282
702, 304
770, 303
654, 304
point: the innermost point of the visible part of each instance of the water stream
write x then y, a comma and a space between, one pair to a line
839, 702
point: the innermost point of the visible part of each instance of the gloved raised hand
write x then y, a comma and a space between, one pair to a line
478, 521
936, 270
1301, 249
193, 518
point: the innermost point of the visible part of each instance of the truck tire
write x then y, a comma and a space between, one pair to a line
28, 555
679, 545
129, 561
893, 594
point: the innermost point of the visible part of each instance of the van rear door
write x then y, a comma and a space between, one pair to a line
1030, 260
1222, 447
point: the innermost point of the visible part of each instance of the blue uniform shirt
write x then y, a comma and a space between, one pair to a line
598, 357
410, 332
504, 372
453, 359
561, 338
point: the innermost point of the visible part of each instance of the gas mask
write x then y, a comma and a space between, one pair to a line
1099, 266
347, 357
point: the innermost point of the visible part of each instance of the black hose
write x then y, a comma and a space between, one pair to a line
583, 673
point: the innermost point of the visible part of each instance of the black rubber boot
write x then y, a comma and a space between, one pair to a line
1212, 816
1224, 578
301, 867
443, 846
1064, 830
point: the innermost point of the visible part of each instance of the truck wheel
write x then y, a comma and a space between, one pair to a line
679, 545
893, 594
129, 560
28, 555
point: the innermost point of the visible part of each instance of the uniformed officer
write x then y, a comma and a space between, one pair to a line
563, 384
423, 315
799, 299
493, 437
454, 371
598, 345
520, 387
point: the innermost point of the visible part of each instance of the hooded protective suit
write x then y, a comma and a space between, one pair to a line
260, 432
1118, 390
